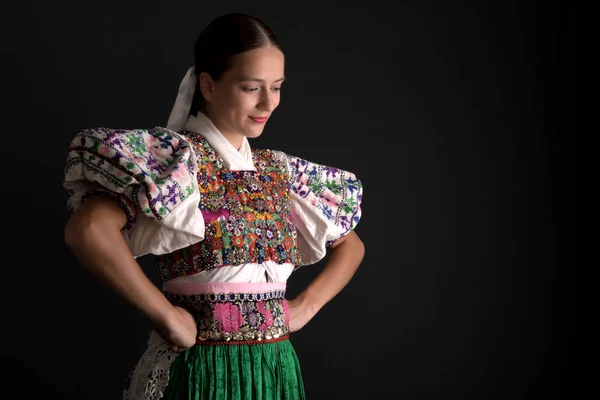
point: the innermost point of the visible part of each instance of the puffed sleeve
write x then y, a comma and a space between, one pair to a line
150, 173
325, 204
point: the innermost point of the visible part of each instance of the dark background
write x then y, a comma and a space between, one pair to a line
448, 112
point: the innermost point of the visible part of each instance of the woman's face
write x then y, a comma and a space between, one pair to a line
242, 101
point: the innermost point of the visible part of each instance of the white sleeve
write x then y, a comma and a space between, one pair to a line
325, 204
151, 174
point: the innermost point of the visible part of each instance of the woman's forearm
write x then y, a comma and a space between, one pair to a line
344, 259
96, 241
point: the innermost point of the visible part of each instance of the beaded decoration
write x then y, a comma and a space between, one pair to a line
247, 215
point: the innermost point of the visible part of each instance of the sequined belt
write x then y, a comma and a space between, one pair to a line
234, 313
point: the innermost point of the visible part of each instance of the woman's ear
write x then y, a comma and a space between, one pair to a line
207, 86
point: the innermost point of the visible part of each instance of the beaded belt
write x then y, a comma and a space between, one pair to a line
234, 313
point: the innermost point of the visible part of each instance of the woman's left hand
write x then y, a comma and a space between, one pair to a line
300, 314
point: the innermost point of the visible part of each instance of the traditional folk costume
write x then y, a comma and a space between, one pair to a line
227, 228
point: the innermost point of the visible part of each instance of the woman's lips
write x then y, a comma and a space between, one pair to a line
260, 120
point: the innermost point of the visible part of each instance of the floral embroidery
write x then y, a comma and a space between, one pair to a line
236, 316
147, 170
247, 215
229, 316
335, 192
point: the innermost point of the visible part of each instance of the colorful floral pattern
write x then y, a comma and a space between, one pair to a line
337, 193
148, 170
237, 316
247, 215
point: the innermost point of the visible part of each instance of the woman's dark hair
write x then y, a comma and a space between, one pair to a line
224, 37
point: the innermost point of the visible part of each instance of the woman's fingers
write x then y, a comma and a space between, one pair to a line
176, 348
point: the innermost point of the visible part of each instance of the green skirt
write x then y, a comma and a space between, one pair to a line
268, 371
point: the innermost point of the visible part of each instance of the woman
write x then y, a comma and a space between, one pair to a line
228, 225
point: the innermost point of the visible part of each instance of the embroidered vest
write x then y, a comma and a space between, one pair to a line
246, 213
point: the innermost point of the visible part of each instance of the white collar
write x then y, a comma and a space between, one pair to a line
233, 159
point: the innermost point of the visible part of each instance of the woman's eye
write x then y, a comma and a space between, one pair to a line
255, 89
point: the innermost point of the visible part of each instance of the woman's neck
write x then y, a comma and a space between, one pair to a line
234, 138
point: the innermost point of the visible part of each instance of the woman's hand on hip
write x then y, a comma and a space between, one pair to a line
300, 314
179, 330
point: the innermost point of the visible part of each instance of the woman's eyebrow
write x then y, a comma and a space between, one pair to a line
247, 78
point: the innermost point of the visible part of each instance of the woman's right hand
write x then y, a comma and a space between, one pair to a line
179, 330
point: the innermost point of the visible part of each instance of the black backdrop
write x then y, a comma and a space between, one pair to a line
449, 113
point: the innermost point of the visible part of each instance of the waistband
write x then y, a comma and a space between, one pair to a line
191, 288
234, 313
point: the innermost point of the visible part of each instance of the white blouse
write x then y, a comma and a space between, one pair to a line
103, 160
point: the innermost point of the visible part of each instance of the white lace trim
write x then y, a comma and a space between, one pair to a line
149, 378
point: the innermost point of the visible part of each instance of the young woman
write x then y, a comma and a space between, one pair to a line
227, 223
